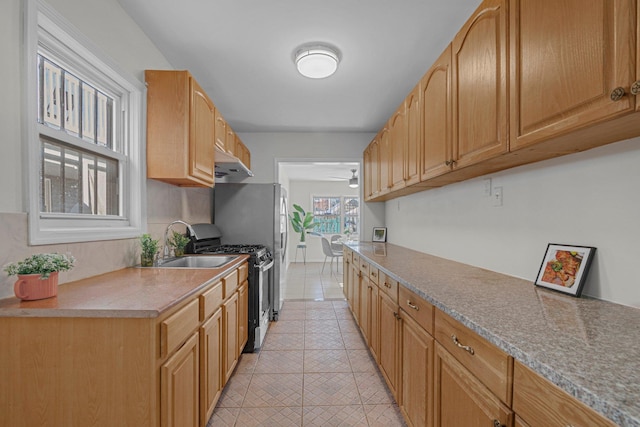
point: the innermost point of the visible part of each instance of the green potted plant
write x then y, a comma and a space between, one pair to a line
38, 275
301, 222
178, 242
150, 248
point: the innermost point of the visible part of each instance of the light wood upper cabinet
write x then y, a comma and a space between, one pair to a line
384, 160
568, 56
372, 170
242, 152
436, 118
397, 143
413, 145
479, 76
366, 172
180, 132
220, 132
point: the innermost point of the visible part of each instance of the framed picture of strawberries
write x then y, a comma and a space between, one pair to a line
565, 267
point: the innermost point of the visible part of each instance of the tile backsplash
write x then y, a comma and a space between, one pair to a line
165, 203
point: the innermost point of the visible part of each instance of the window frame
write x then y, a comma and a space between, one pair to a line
47, 32
342, 209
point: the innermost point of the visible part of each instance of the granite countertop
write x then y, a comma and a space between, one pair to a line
588, 347
130, 292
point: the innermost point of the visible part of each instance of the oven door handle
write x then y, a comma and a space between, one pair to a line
263, 267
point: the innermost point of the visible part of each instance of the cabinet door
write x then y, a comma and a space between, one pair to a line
366, 175
355, 292
243, 316
346, 272
568, 56
384, 161
374, 319
389, 355
455, 388
220, 131
201, 148
230, 326
436, 118
364, 305
397, 142
179, 382
230, 141
412, 124
417, 373
479, 71
210, 365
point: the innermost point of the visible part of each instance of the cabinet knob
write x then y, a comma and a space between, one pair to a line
497, 423
412, 305
449, 162
635, 88
617, 94
396, 315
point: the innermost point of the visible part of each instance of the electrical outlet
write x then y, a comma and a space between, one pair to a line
486, 187
497, 196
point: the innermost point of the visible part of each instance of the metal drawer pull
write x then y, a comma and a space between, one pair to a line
386, 285
410, 304
497, 423
396, 315
464, 347
635, 90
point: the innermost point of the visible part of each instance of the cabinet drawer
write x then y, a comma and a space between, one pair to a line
210, 301
389, 286
175, 329
364, 268
243, 273
229, 284
374, 274
419, 309
347, 254
356, 260
488, 363
541, 403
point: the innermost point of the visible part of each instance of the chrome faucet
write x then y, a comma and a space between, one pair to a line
165, 253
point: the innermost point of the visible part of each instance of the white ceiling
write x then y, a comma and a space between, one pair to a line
320, 171
241, 53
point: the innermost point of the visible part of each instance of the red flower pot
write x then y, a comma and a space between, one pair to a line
33, 286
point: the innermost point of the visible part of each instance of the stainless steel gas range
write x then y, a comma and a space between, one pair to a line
206, 240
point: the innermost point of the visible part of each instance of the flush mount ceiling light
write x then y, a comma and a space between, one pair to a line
316, 61
353, 181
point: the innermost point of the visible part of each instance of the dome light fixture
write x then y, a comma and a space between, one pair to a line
316, 61
353, 181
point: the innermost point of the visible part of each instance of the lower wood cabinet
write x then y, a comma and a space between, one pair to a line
230, 327
243, 316
179, 380
460, 399
540, 403
389, 355
211, 346
417, 373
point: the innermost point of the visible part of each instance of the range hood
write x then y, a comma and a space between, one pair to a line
228, 165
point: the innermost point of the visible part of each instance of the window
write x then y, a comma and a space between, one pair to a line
335, 214
84, 137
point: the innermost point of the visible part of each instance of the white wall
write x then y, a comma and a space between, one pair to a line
590, 198
106, 24
300, 193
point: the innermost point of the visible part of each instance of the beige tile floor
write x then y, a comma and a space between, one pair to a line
313, 368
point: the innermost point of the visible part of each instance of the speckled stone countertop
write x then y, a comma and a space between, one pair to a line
130, 292
588, 347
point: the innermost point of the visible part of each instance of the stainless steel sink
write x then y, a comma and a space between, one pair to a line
199, 261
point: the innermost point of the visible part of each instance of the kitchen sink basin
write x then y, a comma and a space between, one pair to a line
199, 261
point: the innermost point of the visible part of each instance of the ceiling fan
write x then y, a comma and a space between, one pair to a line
353, 181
